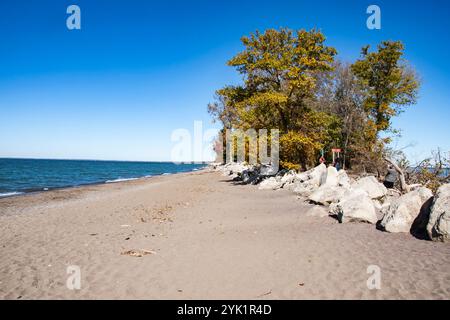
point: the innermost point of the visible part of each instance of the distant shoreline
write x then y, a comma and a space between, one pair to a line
106, 160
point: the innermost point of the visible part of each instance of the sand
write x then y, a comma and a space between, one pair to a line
205, 238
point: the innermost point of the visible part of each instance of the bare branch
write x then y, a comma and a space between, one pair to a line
404, 186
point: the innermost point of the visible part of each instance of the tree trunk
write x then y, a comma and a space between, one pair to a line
403, 185
347, 137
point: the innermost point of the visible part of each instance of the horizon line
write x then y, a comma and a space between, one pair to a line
85, 159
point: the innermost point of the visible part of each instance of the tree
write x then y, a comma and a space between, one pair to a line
387, 82
292, 83
223, 109
338, 93
431, 172
280, 69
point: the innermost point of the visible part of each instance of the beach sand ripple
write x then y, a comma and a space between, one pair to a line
206, 238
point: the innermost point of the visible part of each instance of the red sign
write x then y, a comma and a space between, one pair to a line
336, 150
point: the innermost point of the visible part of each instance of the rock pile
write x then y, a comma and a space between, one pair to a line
362, 200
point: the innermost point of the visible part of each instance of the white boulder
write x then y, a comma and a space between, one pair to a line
307, 182
378, 205
370, 184
438, 227
343, 179
402, 212
270, 184
355, 206
385, 207
317, 175
314, 175
393, 193
302, 177
288, 178
233, 168
305, 189
331, 178
268, 170
327, 194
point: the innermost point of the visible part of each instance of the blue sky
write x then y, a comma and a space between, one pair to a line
137, 70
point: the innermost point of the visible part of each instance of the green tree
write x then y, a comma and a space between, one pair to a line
388, 83
292, 83
280, 70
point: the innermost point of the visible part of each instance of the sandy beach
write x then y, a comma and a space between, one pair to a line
205, 238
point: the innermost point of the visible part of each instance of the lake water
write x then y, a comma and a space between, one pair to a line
19, 176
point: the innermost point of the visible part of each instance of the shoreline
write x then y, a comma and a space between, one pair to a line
203, 236
59, 196
14, 194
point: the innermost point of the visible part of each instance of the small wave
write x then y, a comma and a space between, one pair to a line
10, 194
148, 176
120, 180
166, 173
